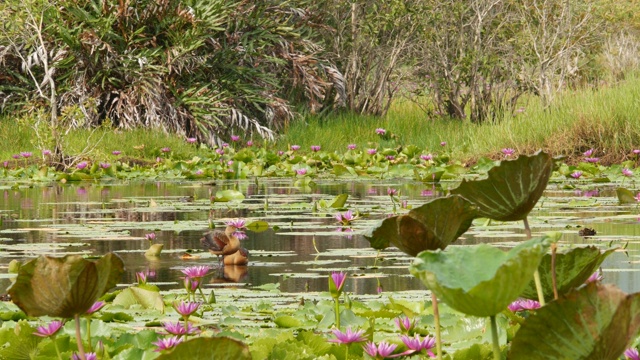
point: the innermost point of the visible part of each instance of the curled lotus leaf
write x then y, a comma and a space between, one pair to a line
625, 196
204, 348
511, 189
479, 280
431, 226
594, 322
573, 268
64, 287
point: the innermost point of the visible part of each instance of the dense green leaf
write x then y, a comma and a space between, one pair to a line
339, 201
593, 323
64, 287
137, 296
625, 196
573, 268
208, 348
431, 226
479, 280
511, 189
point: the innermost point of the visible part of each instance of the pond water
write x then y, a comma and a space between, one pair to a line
96, 218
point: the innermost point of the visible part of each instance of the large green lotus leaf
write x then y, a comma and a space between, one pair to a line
64, 287
595, 322
431, 226
511, 189
573, 268
625, 196
479, 280
208, 348
149, 299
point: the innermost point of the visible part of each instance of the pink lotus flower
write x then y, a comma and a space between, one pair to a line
632, 354
588, 153
199, 172
235, 138
192, 140
82, 165
392, 191
196, 272
249, 143
523, 304
186, 308
16, 156
49, 330
426, 193
391, 157
280, 152
46, 152
295, 147
348, 337
576, 174
336, 283
592, 159
237, 223
404, 324
508, 151
167, 343
636, 151
381, 131
220, 151
230, 162
191, 285
96, 306
116, 152
426, 157
178, 329
637, 197
141, 277
444, 143
417, 344
372, 151
596, 276
301, 172
240, 235
165, 149
224, 145
315, 148
87, 356
627, 172
105, 165
351, 146
345, 218
150, 236
382, 351
26, 154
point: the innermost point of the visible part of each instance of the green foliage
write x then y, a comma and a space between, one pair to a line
595, 322
208, 348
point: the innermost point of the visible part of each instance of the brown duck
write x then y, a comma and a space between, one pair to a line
240, 257
221, 242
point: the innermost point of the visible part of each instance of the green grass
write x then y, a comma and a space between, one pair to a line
607, 119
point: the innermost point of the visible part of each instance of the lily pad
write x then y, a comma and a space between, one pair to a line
625, 196
511, 189
149, 299
431, 226
208, 348
64, 287
573, 268
479, 280
595, 322
229, 195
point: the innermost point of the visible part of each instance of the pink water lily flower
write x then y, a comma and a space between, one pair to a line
596, 276
295, 147
591, 159
249, 143
444, 143
235, 138
165, 149
508, 151
372, 151
51, 329
627, 172
637, 197
26, 154
381, 131
46, 152
426, 157
240, 235
315, 148
348, 337
96, 306
196, 272
345, 218
150, 236
167, 343
178, 328
576, 174
301, 172
82, 165
141, 277
632, 354
417, 344
105, 165
87, 356
116, 152
382, 351
404, 324
351, 146
392, 191
237, 223
523, 304
186, 308
192, 140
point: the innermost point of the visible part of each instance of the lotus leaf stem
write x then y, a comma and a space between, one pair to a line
204, 298
536, 280
337, 310
436, 320
55, 345
494, 338
89, 333
81, 352
554, 281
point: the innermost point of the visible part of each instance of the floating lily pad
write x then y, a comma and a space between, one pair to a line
208, 348
431, 226
511, 189
625, 196
573, 268
149, 299
595, 322
229, 195
479, 280
64, 287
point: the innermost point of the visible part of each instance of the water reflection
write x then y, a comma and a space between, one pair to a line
100, 218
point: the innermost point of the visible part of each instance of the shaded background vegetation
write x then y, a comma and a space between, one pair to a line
207, 69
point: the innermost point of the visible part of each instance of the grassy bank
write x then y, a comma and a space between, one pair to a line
607, 120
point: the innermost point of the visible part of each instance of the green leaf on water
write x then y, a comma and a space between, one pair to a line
511, 189
339, 201
479, 280
287, 321
595, 322
64, 287
203, 348
19, 342
625, 196
229, 195
573, 268
137, 296
258, 226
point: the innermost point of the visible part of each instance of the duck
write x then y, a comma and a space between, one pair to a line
221, 243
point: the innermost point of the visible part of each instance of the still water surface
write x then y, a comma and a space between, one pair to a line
96, 218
